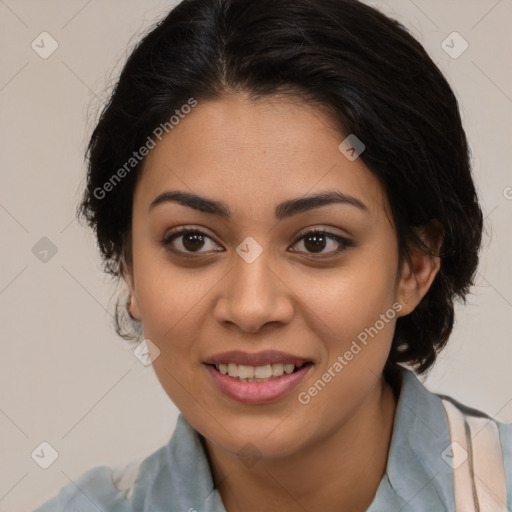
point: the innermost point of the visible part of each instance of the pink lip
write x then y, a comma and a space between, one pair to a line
257, 392
256, 359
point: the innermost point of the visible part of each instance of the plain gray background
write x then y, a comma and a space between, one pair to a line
66, 378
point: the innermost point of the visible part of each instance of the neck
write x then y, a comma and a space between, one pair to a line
339, 473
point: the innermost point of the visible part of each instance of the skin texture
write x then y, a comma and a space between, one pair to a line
331, 453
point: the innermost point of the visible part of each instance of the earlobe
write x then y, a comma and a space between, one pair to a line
131, 302
420, 269
132, 306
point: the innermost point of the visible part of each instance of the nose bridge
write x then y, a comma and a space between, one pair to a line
254, 294
253, 271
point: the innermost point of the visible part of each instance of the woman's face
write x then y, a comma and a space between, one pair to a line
250, 281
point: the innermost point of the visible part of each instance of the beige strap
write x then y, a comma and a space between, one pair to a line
123, 477
477, 461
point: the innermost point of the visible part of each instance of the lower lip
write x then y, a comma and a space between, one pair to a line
257, 392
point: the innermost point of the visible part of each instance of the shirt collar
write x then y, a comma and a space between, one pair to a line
417, 477
177, 476
416, 473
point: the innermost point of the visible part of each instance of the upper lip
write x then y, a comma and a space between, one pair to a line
257, 358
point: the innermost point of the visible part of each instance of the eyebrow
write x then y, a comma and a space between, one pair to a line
283, 210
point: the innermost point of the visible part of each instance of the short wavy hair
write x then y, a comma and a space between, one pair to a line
373, 76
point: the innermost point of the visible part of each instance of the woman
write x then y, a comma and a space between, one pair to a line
285, 188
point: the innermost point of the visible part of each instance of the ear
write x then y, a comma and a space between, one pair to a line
128, 276
418, 274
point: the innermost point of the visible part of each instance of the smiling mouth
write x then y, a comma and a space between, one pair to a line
265, 373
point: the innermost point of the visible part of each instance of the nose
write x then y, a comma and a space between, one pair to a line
253, 294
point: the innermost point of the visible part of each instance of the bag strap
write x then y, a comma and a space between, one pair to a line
124, 476
477, 460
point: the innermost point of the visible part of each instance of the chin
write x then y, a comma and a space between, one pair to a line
256, 436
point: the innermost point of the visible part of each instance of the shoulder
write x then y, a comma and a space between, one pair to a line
102, 486
176, 474
486, 444
478, 421
469, 448
93, 486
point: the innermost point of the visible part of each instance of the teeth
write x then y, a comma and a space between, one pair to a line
233, 370
277, 369
255, 373
245, 372
263, 372
288, 368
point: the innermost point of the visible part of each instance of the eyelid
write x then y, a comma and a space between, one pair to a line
342, 240
182, 231
323, 229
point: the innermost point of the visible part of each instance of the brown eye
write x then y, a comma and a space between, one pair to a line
315, 241
193, 241
187, 241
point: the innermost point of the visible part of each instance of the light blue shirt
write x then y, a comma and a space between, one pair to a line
177, 477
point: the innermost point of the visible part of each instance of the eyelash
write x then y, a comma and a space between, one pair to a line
345, 243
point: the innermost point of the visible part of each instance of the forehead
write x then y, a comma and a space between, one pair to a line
252, 153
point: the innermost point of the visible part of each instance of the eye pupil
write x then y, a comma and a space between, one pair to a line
193, 241
318, 243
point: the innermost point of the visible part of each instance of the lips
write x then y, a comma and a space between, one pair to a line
232, 374
256, 359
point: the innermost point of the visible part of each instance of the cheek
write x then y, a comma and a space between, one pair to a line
352, 297
355, 319
342, 302
168, 298
166, 292
171, 302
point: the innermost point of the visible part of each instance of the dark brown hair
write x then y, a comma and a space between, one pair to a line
366, 68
